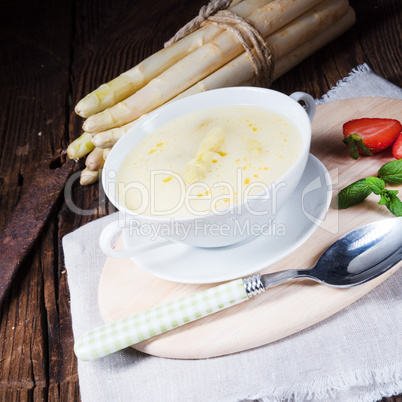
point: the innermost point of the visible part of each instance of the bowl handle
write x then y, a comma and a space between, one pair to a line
106, 237
309, 106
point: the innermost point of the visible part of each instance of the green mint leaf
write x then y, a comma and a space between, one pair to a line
376, 184
384, 199
391, 172
353, 194
394, 204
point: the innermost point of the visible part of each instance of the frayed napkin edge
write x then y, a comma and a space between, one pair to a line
361, 69
370, 385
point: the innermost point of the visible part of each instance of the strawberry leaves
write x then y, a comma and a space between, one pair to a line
354, 142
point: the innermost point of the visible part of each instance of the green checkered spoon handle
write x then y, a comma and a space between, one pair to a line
128, 331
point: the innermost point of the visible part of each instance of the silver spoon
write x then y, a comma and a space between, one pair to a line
355, 258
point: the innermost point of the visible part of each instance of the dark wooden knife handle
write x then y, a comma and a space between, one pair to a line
29, 217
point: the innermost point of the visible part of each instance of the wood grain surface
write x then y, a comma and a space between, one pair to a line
124, 289
52, 53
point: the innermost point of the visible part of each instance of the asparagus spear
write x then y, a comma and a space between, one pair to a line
108, 138
80, 147
89, 176
206, 152
106, 153
95, 159
311, 46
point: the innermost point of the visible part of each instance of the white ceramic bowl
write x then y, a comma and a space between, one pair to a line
205, 231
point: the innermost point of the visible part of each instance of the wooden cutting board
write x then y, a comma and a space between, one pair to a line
124, 289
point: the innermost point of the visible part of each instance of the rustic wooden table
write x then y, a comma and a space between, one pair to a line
53, 53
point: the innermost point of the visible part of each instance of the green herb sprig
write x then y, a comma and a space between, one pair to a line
358, 191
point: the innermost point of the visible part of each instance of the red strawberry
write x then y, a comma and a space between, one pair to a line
370, 136
397, 148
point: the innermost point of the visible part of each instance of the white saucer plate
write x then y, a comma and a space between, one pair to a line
292, 226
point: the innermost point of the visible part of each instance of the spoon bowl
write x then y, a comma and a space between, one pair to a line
355, 258
361, 255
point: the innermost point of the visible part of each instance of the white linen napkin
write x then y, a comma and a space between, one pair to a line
354, 355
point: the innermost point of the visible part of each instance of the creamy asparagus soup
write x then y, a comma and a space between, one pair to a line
207, 161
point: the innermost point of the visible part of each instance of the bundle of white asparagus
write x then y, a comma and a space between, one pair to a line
209, 58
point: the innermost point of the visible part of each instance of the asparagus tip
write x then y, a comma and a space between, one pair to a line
88, 176
70, 155
87, 127
80, 110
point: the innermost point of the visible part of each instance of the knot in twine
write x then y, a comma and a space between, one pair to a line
205, 12
215, 12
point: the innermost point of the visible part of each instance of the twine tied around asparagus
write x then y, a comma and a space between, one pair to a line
205, 12
259, 53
